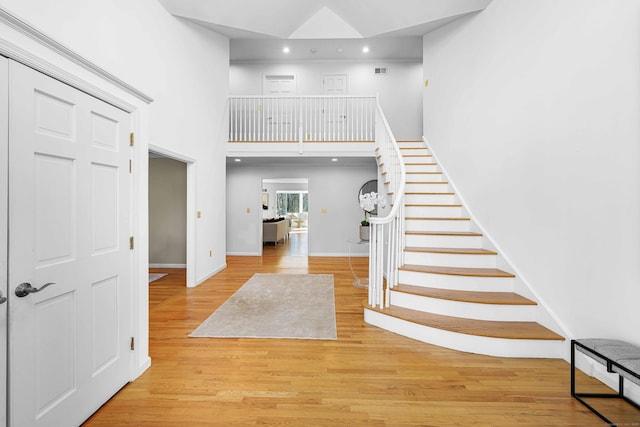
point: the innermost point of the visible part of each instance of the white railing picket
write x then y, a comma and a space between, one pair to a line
387, 263
302, 118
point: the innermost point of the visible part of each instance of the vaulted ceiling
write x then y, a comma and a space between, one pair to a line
274, 21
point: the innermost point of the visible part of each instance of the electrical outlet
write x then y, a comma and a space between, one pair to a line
198, 214
248, 210
324, 210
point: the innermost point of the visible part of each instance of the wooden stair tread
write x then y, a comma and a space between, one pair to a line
499, 298
438, 219
484, 328
417, 155
420, 164
443, 233
460, 251
457, 271
424, 173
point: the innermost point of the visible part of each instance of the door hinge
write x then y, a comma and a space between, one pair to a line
133, 343
131, 242
131, 139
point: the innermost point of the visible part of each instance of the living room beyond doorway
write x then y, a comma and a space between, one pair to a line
285, 216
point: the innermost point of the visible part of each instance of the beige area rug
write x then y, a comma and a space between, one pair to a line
299, 306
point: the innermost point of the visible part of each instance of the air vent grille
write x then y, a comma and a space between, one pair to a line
380, 70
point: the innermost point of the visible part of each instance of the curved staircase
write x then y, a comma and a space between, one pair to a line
450, 291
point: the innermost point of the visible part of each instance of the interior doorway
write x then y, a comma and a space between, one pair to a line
285, 202
171, 212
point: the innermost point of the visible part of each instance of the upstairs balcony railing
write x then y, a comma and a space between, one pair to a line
305, 119
302, 118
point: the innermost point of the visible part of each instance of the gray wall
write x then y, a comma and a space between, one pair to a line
167, 212
333, 188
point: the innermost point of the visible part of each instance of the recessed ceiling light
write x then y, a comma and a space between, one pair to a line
334, 160
314, 50
365, 49
339, 50
286, 49
237, 160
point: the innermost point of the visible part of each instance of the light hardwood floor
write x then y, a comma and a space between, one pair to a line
367, 377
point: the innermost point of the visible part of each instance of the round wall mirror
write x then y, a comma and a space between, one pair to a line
368, 187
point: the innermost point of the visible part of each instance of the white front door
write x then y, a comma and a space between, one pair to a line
4, 164
69, 189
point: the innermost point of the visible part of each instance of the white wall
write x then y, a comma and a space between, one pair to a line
185, 69
183, 66
533, 107
333, 187
399, 90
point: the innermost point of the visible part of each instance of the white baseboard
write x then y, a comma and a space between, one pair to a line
167, 265
140, 370
213, 273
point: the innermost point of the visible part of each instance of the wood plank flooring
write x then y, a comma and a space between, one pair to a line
367, 377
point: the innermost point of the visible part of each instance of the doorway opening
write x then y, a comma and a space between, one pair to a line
285, 212
171, 213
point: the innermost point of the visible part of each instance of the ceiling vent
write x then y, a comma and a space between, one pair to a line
380, 70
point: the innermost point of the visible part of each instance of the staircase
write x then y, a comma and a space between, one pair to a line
450, 292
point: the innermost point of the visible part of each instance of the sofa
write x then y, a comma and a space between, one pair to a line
273, 232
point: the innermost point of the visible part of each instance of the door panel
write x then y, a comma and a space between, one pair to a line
68, 225
335, 109
4, 153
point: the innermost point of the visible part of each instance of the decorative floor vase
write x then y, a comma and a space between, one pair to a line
364, 232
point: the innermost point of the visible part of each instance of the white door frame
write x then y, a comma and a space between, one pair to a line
191, 208
4, 205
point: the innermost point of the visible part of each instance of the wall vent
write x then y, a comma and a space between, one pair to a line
380, 70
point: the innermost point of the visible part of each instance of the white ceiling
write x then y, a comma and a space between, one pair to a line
258, 29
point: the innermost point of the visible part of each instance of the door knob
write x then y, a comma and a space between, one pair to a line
2, 299
25, 289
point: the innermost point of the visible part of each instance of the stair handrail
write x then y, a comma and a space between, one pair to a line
383, 263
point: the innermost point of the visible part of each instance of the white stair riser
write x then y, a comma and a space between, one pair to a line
433, 211
412, 151
425, 177
470, 343
450, 260
421, 168
433, 187
495, 312
411, 144
461, 283
436, 225
429, 199
430, 241
414, 158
